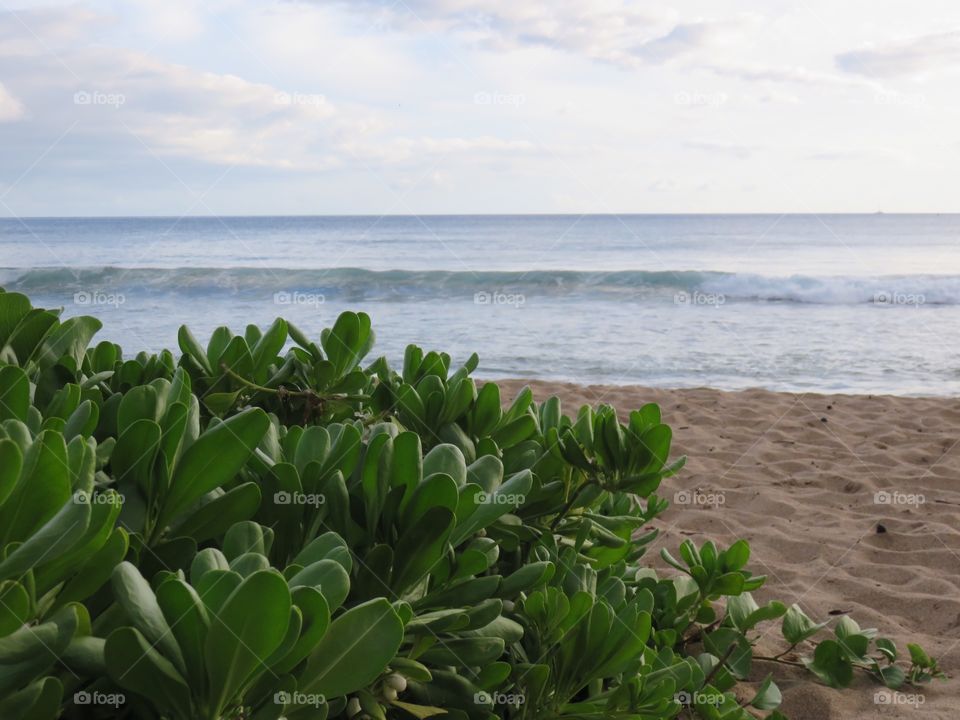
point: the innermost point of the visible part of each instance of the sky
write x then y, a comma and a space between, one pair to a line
251, 107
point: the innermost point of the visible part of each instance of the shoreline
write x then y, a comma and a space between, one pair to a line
800, 477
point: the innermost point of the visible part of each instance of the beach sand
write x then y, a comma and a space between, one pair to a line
797, 476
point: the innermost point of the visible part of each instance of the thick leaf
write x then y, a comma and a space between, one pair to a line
239, 640
215, 458
136, 597
355, 650
14, 393
133, 663
43, 488
52, 540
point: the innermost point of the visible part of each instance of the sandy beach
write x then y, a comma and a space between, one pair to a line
850, 504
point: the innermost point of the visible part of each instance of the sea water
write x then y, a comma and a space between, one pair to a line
832, 303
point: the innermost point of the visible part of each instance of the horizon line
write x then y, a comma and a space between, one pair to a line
489, 214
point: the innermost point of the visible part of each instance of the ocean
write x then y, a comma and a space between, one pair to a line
823, 303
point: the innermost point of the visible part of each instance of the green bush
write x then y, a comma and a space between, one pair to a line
264, 528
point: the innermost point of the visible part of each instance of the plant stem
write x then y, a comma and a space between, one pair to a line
716, 668
778, 659
308, 393
569, 504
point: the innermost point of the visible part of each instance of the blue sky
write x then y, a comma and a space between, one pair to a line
176, 107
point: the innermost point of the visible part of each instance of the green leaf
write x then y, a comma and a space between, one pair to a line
43, 488
918, 655
213, 518
239, 641
11, 462
739, 659
133, 663
13, 308
189, 621
190, 346
507, 498
215, 458
830, 665
136, 597
736, 556
14, 606
316, 619
355, 650
14, 392
49, 542
797, 627
329, 577
768, 695
70, 338
447, 459
420, 547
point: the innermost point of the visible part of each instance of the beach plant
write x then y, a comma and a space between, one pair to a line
261, 528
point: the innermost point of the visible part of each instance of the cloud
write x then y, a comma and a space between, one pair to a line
913, 56
736, 150
788, 74
612, 31
10, 107
153, 107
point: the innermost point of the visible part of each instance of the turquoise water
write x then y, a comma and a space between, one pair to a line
850, 303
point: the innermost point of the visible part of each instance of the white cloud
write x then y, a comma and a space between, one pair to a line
216, 118
613, 31
911, 56
737, 150
10, 107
